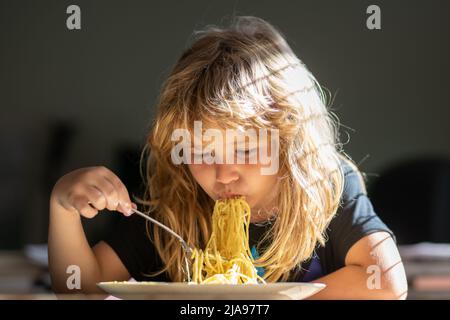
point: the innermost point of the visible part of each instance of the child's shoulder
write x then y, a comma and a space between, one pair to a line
354, 184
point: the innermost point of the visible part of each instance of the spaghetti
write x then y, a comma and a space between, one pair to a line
227, 258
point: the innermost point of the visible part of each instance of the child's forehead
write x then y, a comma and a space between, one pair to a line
237, 135
207, 129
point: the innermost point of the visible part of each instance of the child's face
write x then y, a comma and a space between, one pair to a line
227, 180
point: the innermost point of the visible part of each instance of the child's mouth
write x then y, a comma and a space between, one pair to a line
230, 196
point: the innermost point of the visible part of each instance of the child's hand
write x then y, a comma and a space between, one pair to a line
88, 190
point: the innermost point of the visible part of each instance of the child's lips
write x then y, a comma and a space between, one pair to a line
230, 195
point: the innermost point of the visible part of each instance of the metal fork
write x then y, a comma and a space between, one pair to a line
187, 249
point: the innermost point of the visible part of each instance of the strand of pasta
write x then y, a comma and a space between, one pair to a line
227, 258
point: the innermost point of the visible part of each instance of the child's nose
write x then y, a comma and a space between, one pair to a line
226, 173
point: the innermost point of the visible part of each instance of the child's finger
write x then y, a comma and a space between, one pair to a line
124, 197
125, 208
81, 204
110, 192
96, 197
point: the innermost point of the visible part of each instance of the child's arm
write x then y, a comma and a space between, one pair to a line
83, 192
373, 256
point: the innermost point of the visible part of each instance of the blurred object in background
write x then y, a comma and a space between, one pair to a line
426, 251
60, 136
32, 151
24, 272
427, 267
37, 254
413, 198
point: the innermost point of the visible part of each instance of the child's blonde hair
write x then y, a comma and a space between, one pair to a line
246, 75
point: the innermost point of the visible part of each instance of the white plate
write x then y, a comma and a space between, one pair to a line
184, 291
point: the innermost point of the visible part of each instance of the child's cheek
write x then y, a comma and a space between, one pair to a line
203, 173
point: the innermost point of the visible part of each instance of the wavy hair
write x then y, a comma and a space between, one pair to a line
245, 74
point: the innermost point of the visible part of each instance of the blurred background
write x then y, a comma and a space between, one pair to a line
75, 98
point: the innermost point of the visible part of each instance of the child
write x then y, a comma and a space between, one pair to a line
311, 218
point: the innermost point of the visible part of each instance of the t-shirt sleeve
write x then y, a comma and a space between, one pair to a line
129, 240
354, 219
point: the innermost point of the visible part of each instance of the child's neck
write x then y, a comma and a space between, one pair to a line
260, 217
